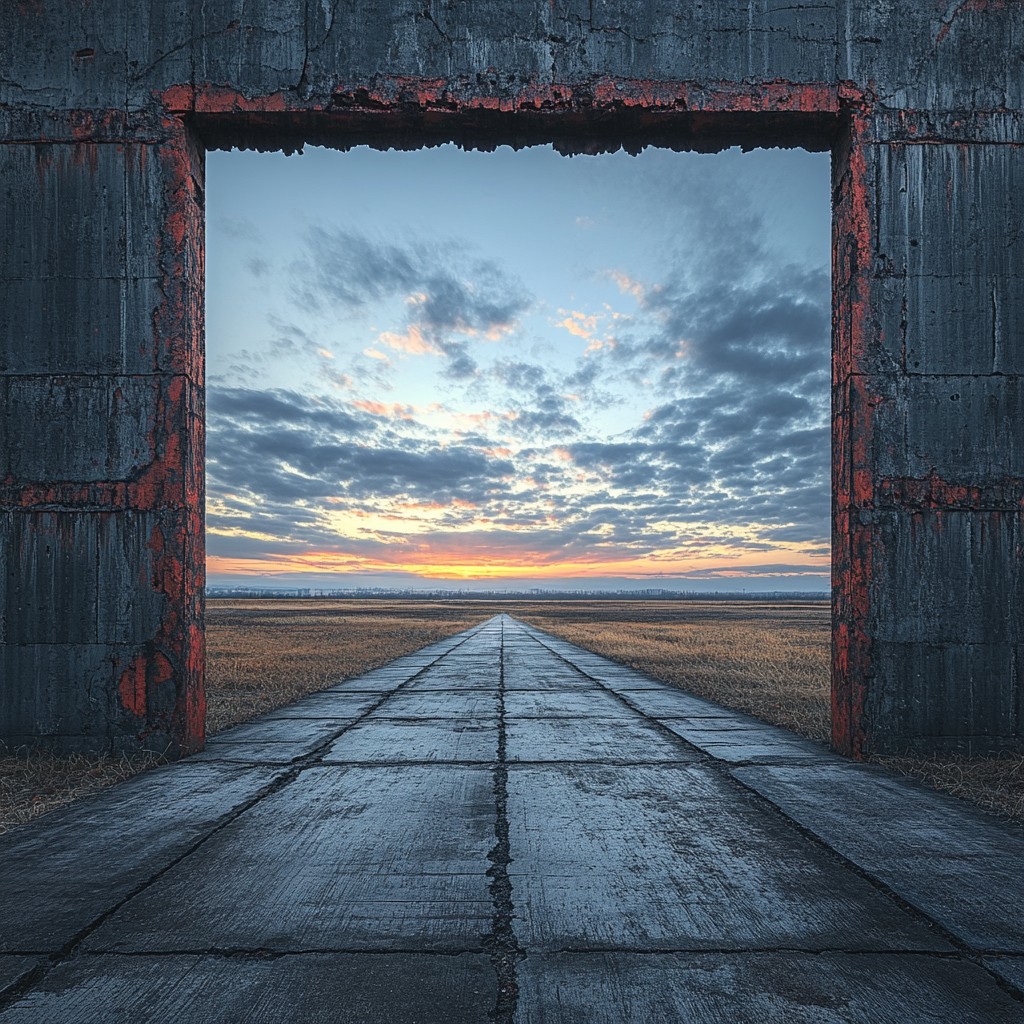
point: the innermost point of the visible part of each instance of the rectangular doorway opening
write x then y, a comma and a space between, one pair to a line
473, 380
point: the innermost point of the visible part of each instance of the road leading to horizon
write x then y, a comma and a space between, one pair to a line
505, 827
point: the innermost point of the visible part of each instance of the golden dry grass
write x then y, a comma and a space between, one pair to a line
769, 659
34, 783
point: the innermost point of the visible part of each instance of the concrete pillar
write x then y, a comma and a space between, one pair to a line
930, 510
101, 437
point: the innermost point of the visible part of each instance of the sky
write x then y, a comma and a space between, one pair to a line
518, 369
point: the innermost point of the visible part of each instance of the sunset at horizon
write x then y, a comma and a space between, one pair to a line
446, 368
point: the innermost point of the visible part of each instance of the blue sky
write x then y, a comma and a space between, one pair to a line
518, 368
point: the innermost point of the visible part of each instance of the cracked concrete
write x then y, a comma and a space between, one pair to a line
504, 827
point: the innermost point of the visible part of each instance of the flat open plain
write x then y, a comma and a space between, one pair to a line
505, 827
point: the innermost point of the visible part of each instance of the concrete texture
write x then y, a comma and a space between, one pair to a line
314, 988
381, 877
758, 988
13, 969
106, 111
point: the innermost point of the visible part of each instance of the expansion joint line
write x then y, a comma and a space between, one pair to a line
501, 943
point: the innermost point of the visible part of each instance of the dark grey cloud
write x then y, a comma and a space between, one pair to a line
734, 349
451, 293
239, 228
281, 446
254, 410
257, 266
540, 404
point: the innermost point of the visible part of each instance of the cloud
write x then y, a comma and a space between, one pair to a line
412, 342
627, 285
774, 331
392, 410
239, 228
279, 445
581, 325
539, 404
449, 296
264, 410
257, 266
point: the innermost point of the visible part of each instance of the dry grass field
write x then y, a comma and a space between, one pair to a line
771, 660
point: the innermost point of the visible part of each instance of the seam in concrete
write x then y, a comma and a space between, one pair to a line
266, 953
751, 950
502, 943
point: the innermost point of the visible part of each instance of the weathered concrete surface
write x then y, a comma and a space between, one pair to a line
106, 110
757, 988
706, 869
343, 858
59, 877
912, 840
382, 877
314, 988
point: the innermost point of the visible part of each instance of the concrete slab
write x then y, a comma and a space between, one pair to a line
307, 732
329, 704
546, 675
340, 859
668, 702
764, 753
678, 858
395, 740
620, 679
724, 723
595, 740
479, 705
749, 744
369, 884
316, 988
454, 675
759, 988
336, 713
589, 703
255, 752
959, 865
14, 968
64, 871
371, 683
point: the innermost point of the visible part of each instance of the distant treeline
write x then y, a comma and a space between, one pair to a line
374, 593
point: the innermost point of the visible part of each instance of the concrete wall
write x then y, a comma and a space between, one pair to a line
106, 107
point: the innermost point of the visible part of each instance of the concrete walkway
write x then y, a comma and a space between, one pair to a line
504, 827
